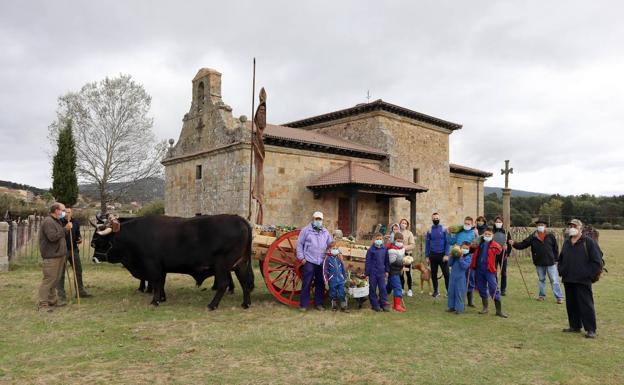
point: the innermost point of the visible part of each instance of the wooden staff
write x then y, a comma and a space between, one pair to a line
71, 245
69, 282
251, 155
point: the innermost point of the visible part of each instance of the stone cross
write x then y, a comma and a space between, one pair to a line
506, 172
368, 96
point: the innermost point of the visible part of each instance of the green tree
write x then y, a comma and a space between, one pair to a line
551, 210
64, 180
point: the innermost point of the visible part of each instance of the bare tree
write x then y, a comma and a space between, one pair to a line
113, 132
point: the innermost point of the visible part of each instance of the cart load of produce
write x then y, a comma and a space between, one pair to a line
357, 285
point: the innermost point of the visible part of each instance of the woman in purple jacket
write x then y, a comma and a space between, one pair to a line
313, 241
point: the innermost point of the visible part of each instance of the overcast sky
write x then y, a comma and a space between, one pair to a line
538, 82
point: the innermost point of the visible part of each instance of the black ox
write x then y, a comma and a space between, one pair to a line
150, 247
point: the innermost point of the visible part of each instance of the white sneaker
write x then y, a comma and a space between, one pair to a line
409, 293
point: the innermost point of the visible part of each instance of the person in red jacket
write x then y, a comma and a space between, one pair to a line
485, 250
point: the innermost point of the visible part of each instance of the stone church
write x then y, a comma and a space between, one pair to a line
373, 163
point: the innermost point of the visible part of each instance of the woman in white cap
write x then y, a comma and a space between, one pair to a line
314, 239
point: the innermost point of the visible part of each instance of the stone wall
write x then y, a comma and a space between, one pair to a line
223, 187
410, 145
472, 194
288, 201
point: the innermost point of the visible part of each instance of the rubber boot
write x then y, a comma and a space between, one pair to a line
470, 299
499, 311
485, 306
397, 305
343, 307
333, 303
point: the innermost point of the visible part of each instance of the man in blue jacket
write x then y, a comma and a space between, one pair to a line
437, 249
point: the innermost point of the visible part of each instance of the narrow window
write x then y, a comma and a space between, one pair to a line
198, 172
416, 175
200, 96
460, 195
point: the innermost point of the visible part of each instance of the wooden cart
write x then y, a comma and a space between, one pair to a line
281, 269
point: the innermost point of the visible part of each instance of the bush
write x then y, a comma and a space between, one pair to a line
606, 226
154, 208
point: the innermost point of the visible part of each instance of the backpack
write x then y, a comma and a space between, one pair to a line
593, 234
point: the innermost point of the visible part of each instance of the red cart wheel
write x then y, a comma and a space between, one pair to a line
282, 270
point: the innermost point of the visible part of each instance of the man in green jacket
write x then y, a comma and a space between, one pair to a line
53, 249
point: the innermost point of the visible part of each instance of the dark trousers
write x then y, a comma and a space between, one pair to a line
435, 259
580, 306
407, 276
312, 272
61, 284
377, 283
502, 262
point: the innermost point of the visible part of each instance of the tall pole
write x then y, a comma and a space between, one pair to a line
253, 100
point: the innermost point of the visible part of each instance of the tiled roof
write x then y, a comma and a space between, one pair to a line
458, 169
377, 105
358, 174
296, 137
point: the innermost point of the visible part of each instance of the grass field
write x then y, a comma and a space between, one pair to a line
117, 338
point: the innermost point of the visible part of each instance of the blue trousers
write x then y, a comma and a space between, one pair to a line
470, 276
377, 283
457, 290
312, 272
552, 273
337, 291
486, 283
395, 283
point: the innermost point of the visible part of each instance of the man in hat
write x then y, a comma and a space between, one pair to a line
545, 253
580, 262
313, 241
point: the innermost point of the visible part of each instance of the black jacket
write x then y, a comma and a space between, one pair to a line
581, 262
544, 253
75, 232
508, 237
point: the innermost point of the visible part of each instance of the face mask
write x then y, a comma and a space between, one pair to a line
573, 232
335, 251
399, 245
487, 239
467, 227
62, 215
436, 222
378, 242
541, 229
480, 225
317, 223
498, 225
465, 251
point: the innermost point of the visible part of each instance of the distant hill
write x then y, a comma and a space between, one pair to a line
514, 193
18, 186
142, 191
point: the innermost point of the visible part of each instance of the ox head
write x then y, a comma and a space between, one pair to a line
103, 241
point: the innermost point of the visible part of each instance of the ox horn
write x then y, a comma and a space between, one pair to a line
106, 231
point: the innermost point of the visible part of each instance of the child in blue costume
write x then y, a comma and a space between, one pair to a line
335, 275
457, 287
467, 234
376, 268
